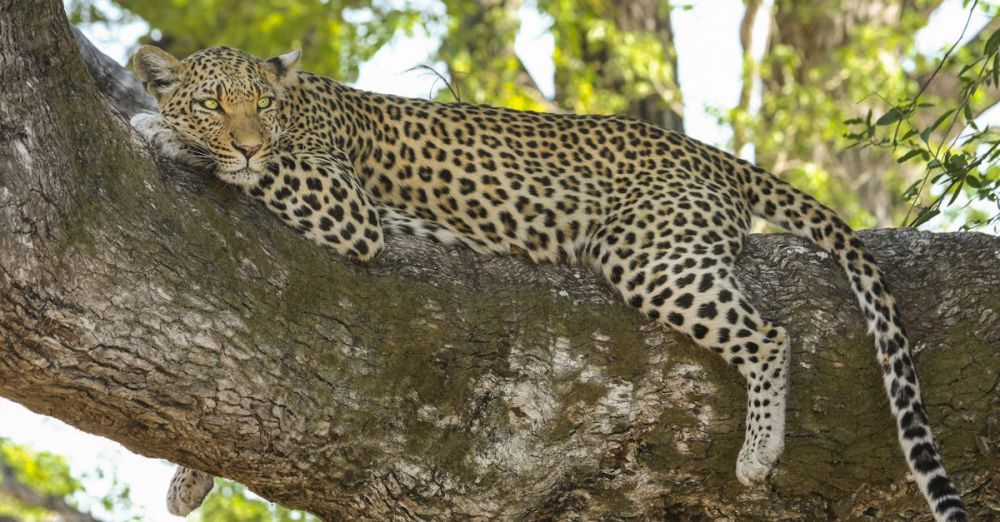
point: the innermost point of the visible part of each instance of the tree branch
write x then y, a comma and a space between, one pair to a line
158, 308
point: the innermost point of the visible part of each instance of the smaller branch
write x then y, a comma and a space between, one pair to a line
440, 77
121, 86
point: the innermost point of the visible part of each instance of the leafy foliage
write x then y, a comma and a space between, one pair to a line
48, 476
824, 59
958, 158
46, 473
336, 36
43, 472
482, 63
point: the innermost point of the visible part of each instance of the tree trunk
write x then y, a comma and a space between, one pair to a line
652, 17
482, 64
160, 309
660, 102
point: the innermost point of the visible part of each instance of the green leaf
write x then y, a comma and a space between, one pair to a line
958, 190
890, 117
957, 162
996, 70
926, 134
965, 68
923, 217
993, 43
913, 153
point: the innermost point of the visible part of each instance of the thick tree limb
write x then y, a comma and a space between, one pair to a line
160, 309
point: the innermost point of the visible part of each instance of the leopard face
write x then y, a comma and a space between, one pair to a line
225, 104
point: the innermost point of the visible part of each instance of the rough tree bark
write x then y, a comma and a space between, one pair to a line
160, 309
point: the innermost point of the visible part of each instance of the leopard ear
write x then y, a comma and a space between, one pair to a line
158, 70
284, 67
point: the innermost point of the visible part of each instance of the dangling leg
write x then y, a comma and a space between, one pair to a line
701, 299
188, 490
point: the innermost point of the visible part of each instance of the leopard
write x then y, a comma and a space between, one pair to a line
661, 216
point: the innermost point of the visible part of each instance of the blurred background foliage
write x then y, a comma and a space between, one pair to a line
334, 35
826, 63
935, 132
231, 502
38, 486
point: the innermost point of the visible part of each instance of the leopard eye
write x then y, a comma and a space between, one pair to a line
210, 104
264, 102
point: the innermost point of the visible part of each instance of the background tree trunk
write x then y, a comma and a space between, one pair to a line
582, 53
470, 55
160, 309
636, 17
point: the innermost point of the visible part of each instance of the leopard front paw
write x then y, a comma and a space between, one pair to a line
749, 467
159, 133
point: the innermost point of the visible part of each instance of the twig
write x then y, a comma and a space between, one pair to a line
440, 77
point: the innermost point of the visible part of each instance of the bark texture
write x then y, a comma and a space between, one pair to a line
160, 309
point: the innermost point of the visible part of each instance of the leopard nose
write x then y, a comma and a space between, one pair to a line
247, 150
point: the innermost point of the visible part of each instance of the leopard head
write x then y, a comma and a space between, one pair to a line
223, 103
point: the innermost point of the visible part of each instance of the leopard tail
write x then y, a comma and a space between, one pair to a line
781, 204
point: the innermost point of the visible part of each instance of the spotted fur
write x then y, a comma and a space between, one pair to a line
188, 488
660, 215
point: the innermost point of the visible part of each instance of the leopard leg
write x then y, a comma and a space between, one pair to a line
188, 489
318, 194
701, 299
